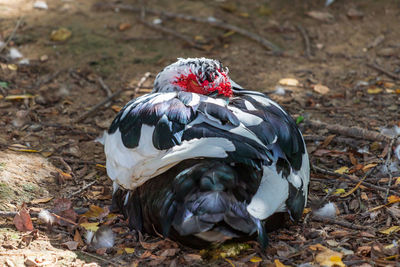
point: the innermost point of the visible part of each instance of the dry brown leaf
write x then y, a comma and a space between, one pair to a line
71, 245
23, 221
169, 252
321, 16
124, 26
41, 200
321, 89
328, 140
192, 257
95, 212
78, 238
342, 170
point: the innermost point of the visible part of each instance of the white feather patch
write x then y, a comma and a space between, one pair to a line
102, 238
270, 196
327, 211
130, 168
46, 217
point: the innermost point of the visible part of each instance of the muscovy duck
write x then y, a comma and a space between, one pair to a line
202, 160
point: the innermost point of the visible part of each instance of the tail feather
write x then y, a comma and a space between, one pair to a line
195, 201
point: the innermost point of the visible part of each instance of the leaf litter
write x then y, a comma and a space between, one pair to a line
371, 235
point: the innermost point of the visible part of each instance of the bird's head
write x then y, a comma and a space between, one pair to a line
196, 75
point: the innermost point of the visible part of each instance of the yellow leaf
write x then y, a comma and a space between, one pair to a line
129, 250
339, 191
306, 210
278, 263
374, 91
19, 97
397, 181
23, 149
93, 212
390, 230
230, 262
227, 34
61, 34
342, 170
120, 251
255, 259
12, 67
90, 226
289, 82
41, 200
100, 165
393, 199
329, 258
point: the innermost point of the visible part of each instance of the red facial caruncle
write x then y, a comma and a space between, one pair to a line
190, 83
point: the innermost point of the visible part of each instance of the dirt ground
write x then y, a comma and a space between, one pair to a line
328, 72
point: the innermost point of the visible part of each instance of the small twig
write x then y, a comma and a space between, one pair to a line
104, 86
328, 172
354, 132
63, 219
171, 32
341, 223
210, 21
306, 39
66, 165
388, 73
82, 189
106, 89
99, 258
12, 34
110, 98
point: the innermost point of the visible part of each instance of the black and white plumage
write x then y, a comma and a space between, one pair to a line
201, 160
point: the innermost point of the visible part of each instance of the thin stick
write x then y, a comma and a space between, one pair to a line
12, 34
104, 86
171, 32
328, 172
341, 223
354, 132
108, 99
388, 73
82, 189
306, 39
210, 21
99, 258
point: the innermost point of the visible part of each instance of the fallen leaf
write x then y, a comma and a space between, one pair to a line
329, 258
124, 26
12, 67
78, 238
71, 245
22, 220
289, 82
321, 89
101, 251
339, 191
129, 250
192, 257
41, 200
321, 16
61, 34
299, 119
369, 166
255, 259
390, 230
374, 90
90, 226
116, 108
397, 181
95, 212
342, 170
19, 97
393, 199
